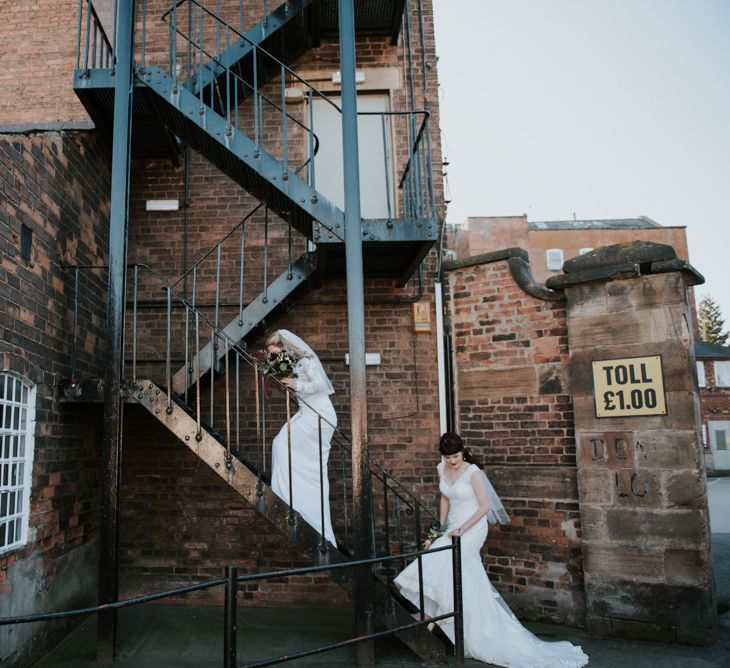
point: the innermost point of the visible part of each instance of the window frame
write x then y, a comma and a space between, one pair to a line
723, 365
701, 376
550, 265
16, 453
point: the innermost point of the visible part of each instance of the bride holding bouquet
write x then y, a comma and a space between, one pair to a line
301, 371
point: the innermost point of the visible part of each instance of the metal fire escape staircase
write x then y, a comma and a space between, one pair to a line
215, 102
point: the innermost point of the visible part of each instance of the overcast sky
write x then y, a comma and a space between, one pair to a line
598, 108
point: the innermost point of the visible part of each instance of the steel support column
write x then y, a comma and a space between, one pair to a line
112, 433
364, 594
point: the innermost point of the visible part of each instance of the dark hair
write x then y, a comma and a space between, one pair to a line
451, 443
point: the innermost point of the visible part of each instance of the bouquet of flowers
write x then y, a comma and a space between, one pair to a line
280, 365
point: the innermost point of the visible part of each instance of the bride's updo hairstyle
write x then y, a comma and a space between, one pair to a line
451, 443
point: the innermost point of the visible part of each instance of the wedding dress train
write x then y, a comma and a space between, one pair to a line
313, 388
491, 632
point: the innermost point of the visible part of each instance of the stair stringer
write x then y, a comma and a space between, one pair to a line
239, 327
388, 612
231, 57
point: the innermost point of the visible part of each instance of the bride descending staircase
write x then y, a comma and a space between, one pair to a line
223, 91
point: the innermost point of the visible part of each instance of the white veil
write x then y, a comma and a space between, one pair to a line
299, 348
496, 513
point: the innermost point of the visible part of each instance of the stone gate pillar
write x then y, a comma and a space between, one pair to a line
641, 481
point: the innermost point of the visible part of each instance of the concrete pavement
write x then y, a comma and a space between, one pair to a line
179, 636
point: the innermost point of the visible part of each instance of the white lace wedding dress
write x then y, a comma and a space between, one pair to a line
313, 388
491, 632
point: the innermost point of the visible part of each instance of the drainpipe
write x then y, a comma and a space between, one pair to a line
364, 593
440, 361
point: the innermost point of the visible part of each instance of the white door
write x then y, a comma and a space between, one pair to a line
376, 178
720, 444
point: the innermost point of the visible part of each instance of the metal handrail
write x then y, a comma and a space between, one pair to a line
396, 487
233, 580
379, 473
236, 348
425, 113
98, 28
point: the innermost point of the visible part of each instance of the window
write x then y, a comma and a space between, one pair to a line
554, 259
722, 374
701, 374
583, 251
17, 426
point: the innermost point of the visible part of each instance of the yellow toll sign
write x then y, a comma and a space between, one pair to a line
629, 387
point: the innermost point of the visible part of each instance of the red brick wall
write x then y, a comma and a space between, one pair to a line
57, 185
514, 410
39, 54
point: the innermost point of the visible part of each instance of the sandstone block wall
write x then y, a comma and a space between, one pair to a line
641, 481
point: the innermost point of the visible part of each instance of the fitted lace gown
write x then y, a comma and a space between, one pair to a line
315, 400
491, 632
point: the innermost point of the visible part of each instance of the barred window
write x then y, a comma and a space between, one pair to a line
17, 426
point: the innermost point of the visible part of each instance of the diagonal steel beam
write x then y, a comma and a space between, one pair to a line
238, 328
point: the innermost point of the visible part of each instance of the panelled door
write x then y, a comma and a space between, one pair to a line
720, 443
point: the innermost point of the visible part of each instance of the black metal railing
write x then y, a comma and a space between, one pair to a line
233, 580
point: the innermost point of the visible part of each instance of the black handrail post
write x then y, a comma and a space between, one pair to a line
421, 599
113, 373
458, 606
230, 624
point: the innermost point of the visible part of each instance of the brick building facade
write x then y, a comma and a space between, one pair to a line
179, 523
713, 375
550, 243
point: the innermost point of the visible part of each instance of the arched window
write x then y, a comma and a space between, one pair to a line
17, 428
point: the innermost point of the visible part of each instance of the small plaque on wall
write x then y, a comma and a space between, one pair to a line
629, 387
421, 317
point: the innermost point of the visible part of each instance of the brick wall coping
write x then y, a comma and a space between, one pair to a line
626, 260
28, 128
519, 266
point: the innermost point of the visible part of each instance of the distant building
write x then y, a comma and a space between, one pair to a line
713, 378
550, 243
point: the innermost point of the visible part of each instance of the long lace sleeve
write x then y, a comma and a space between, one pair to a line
311, 378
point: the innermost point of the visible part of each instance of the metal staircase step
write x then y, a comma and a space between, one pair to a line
276, 298
389, 611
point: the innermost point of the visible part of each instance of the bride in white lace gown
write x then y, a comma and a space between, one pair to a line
313, 390
491, 632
